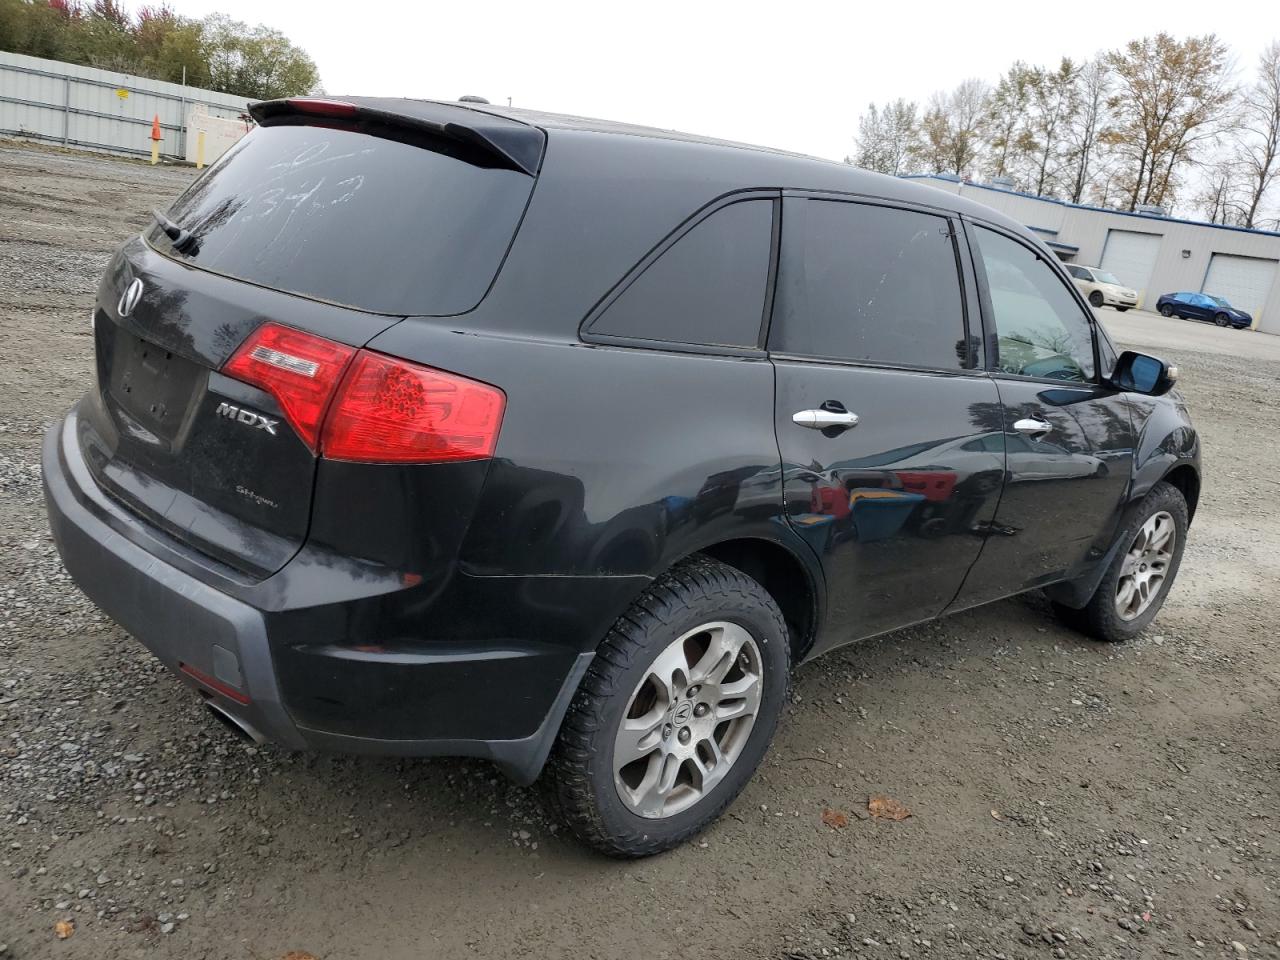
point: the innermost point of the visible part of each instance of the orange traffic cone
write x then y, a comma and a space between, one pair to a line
155, 140
155, 128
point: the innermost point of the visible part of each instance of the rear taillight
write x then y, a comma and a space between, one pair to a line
380, 409
391, 411
300, 370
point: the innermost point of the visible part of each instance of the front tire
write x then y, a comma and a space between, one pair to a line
1222, 320
1095, 298
674, 714
1121, 309
1134, 588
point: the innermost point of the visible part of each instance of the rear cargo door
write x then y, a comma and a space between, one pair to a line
336, 230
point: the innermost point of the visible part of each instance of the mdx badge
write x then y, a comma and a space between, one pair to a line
248, 417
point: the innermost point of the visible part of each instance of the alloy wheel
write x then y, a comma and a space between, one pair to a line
688, 720
1146, 565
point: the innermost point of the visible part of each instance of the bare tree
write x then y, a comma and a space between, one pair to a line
888, 139
1054, 105
870, 141
1086, 125
1216, 199
1169, 98
1259, 152
1007, 139
951, 130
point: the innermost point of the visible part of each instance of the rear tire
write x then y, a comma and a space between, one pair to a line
1095, 298
651, 673
1115, 614
1166, 310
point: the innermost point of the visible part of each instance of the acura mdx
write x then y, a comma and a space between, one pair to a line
447, 429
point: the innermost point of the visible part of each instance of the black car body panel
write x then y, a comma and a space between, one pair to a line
155, 433
452, 607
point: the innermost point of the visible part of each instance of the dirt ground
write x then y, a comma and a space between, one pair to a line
1069, 799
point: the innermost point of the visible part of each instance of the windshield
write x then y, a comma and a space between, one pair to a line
1219, 301
1104, 277
368, 222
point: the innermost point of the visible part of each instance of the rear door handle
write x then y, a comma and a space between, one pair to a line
822, 419
1033, 427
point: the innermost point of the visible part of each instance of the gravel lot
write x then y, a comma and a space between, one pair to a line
1069, 799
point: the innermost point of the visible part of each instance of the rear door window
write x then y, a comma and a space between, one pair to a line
411, 226
707, 288
868, 283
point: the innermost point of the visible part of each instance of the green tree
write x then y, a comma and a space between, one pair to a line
256, 62
217, 53
36, 29
171, 47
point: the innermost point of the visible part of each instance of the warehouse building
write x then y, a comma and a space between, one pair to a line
1151, 253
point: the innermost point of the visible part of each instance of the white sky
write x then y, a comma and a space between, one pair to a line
793, 74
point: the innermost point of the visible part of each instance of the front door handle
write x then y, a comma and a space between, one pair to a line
1033, 427
823, 419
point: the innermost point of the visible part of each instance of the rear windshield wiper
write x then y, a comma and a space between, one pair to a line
184, 241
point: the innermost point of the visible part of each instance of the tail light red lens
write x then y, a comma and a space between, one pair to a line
298, 369
379, 409
392, 411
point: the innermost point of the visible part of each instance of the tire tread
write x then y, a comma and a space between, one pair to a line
1098, 618
567, 785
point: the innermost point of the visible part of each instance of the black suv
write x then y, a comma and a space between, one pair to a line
425, 428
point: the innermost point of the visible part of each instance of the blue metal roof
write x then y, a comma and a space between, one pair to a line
952, 178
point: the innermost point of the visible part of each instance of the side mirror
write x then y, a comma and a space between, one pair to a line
1140, 373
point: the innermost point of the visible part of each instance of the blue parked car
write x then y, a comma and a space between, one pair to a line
1201, 306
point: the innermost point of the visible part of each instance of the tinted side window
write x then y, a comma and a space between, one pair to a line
707, 288
863, 282
1078, 272
1040, 329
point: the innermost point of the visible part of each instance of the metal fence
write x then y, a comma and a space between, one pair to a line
98, 109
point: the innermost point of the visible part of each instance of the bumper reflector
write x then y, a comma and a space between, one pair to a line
217, 686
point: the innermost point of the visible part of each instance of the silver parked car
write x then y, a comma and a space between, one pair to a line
1102, 289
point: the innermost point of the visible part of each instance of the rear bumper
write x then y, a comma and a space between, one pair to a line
502, 701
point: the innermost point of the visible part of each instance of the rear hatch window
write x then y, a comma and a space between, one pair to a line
401, 223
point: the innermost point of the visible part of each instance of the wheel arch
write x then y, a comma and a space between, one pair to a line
795, 583
1186, 478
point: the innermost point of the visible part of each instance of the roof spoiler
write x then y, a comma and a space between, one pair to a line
514, 145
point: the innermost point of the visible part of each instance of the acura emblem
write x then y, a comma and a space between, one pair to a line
129, 299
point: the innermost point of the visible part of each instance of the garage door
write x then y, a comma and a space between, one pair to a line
1131, 256
1244, 281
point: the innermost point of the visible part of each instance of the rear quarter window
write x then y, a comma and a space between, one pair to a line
708, 288
384, 225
